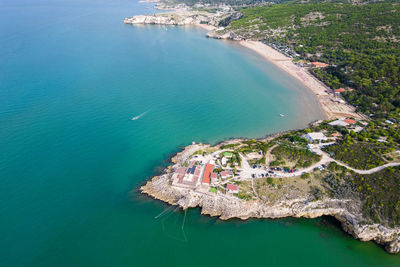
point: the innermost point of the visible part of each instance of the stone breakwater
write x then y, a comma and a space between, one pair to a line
347, 211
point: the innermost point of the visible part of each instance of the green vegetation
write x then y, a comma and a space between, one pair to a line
295, 157
361, 42
255, 146
229, 146
228, 154
382, 199
379, 192
359, 155
367, 149
305, 175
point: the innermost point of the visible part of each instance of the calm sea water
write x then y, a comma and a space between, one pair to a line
72, 75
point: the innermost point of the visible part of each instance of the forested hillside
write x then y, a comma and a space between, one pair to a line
360, 42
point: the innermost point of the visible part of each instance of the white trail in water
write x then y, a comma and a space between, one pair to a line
139, 116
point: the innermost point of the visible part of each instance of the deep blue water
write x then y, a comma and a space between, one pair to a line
72, 75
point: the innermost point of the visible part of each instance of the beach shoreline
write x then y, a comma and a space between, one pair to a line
332, 107
205, 26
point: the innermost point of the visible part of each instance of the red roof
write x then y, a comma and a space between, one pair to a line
350, 121
232, 187
320, 64
213, 175
225, 173
207, 173
340, 90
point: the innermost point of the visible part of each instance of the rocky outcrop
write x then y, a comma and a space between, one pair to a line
347, 211
221, 34
176, 18
181, 18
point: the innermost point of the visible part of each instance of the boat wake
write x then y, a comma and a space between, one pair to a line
139, 116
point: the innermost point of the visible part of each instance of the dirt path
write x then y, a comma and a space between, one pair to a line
268, 155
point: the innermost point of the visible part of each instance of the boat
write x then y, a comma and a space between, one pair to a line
282, 115
138, 116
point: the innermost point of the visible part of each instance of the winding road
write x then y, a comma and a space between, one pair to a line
325, 159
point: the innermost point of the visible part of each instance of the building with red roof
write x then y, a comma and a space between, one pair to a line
340, 90
213, 177
225, 174
319, 64
350, 121
207, 173
232, 188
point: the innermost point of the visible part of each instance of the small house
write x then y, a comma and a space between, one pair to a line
340, 90
319, 65
232, 189
225, 174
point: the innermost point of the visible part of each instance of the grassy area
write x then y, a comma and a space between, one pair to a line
293, 157
275, 189
230, 146
245, 190
255, 146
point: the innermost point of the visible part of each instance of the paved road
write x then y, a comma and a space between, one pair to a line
325, 159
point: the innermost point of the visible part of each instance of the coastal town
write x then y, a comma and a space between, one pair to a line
221, 169
327, 169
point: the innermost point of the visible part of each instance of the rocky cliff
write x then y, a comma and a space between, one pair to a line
177, 18
347, 211
182, 18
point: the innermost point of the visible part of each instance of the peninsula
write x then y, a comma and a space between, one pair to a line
348, 166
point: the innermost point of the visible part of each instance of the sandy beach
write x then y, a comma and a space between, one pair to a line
206, 26
331, 105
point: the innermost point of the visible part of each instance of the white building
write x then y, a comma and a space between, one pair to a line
315, 137
339, 122
224, 161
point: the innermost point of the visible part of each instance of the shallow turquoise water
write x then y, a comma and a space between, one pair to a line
71, 160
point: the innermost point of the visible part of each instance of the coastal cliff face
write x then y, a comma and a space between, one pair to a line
221, 34
177, 18
181, 18
347, 211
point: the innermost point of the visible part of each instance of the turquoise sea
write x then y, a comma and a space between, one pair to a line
72, 75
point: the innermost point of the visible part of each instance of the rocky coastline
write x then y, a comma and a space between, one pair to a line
347, 211
177, 18
289, 204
